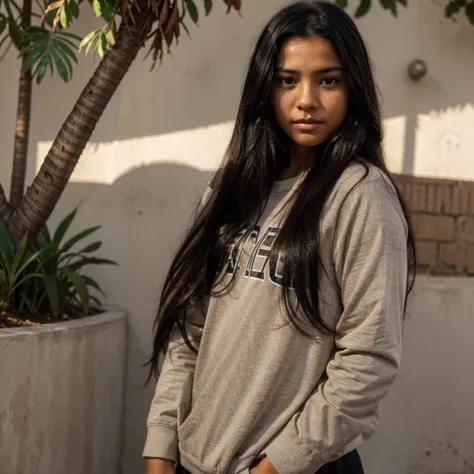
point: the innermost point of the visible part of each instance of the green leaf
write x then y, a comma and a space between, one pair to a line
108, 12
42, 68
363, 8
470, 12
26, 278
192, 9
102, 45
20, 252
33, 58
88, 40
454, 7
95, 300
15, 34
403, 2
97, 7
63, 227
81, 235
3, 23
6, 244
52, 290
74, 8
81, 289
90, 282
63, 16
341, 3
69, 35
43, 238
30, 303
93, 247
60, 54
3, 278
90, 261
61, 45
390, 5
207, 6
63, 66
29, 261
49, 18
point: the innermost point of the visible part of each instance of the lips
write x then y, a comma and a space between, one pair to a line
309, 122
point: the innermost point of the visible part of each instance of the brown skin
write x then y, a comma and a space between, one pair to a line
309, 85
159, 466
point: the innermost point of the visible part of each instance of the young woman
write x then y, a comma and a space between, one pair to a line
281, 313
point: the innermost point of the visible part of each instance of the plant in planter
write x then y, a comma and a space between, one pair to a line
47, 284
48, 280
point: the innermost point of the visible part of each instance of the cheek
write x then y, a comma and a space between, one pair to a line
336, 105
281, 105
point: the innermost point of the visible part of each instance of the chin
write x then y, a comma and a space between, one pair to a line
308, 140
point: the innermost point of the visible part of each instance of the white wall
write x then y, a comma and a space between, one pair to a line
165, 131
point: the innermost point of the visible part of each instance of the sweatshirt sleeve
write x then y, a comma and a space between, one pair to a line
174, 387
173, 391
370, 263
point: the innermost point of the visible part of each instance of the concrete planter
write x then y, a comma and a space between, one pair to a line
61, 396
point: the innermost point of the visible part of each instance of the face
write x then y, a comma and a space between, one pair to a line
310, 93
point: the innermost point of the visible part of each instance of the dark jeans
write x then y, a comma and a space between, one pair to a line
348, 464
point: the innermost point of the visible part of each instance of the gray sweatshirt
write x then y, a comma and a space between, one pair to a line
257, 386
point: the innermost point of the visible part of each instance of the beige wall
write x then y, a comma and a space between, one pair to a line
428, 415
165, 131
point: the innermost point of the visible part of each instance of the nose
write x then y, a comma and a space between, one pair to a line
307, 98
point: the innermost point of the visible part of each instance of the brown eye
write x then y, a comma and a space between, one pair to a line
329, 81
286, 81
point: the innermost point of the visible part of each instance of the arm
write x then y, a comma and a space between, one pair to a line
370, 262
172, 398
159, 466
171, 402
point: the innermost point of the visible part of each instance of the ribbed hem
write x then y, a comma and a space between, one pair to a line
288, 456
161, 442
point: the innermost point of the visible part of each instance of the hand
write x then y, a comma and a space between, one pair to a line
264, 467
159, 466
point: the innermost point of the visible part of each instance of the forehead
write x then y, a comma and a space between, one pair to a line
308, 53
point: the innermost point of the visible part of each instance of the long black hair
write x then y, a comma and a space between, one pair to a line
258, 152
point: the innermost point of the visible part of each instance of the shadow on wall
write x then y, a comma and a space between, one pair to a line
144, 214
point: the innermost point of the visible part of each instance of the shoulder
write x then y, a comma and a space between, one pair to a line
364, 181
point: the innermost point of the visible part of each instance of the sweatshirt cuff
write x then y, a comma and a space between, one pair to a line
288, 455
161, 442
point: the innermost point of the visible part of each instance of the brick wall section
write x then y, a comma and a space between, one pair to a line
442, 214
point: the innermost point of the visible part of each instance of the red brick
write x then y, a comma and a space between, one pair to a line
431, 199
457, 200
443, 199
426, 253
418, 202
465, 229
458, 254
438, 228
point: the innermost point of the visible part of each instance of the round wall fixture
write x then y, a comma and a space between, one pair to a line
417, 69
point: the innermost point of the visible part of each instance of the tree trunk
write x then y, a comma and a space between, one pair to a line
42, 196
5, 208
20, 151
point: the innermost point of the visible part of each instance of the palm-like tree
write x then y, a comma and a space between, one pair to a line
157, 22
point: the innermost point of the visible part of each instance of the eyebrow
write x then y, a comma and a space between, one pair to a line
324, 70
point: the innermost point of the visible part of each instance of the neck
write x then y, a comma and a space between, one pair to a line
300, 161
